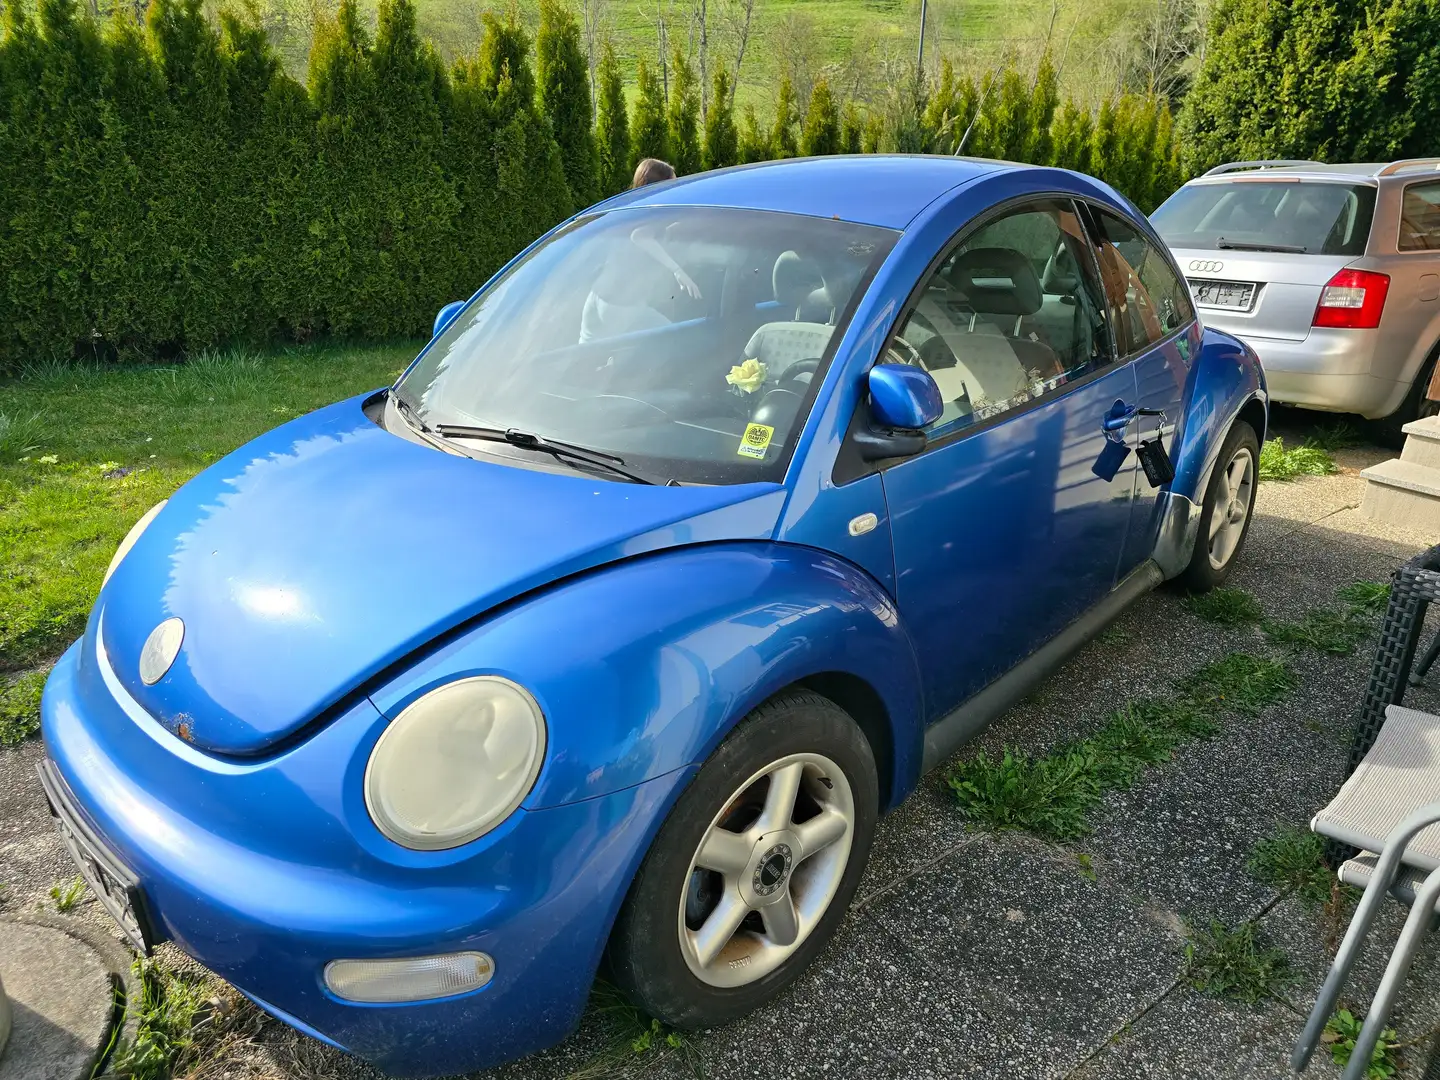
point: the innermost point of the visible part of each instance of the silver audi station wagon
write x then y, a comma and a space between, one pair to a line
1331, 273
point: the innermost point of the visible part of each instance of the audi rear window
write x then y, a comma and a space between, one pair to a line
1306, 217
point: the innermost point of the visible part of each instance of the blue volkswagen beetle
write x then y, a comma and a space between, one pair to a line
682, 551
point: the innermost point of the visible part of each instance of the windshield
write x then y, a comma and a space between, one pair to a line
1315, 218
685, 341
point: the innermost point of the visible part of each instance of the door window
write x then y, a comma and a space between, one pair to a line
1148, 301
1012, 314
1420, 218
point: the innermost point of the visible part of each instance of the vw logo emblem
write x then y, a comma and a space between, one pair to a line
160, 650
1207, 266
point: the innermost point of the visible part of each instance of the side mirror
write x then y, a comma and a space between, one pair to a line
905, 400
448, 312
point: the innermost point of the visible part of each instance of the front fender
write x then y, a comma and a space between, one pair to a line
644, 666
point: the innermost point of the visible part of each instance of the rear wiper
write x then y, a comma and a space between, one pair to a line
1240, 245
529, 441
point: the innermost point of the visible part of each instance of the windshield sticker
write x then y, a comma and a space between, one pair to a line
756, 440
749, 377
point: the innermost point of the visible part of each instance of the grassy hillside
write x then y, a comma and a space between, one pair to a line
862, 46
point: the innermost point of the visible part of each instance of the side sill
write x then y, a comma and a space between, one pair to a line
953, 731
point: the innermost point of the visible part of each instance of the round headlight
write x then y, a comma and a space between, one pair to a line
130, 538
455, 763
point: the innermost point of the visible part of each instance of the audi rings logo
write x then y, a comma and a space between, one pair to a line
1207, 266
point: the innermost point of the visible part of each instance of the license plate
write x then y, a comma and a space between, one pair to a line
117, 889
1223, 294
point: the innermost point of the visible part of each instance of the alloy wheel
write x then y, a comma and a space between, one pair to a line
766, 870
1230, 508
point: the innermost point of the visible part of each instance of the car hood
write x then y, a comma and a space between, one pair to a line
318, 555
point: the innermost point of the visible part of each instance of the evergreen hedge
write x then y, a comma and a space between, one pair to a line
168, 187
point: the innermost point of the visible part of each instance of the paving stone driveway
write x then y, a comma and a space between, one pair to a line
969, 954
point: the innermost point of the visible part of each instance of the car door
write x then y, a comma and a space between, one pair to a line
1003, 531
1157, 334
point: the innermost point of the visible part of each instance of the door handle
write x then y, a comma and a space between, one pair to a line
1121, 416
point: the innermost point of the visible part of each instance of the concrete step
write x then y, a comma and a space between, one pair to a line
1403, 493
1422, 442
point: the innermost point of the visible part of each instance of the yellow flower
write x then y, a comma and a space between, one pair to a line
747, 376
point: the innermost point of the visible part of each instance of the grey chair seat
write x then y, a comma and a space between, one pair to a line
1359, 870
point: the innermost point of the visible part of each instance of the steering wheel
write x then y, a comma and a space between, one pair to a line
911, 354
790, 381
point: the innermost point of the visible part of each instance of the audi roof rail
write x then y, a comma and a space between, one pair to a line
1408, 163
1236, 166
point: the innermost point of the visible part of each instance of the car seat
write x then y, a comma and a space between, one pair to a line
800, 290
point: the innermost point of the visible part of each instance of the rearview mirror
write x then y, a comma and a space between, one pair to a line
904, 400
448, 312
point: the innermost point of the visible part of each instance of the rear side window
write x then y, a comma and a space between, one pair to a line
1148, 302
1420, 218
1304, 217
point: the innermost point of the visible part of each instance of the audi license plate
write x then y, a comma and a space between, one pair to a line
109, 879
1223, 294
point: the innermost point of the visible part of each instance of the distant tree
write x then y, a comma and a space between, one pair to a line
1390, 84
682, 116
612, 127
754, 146
1044, 100
1070, 138
722, 142
872, 136
1104, 142
782, 132
852, 129
564, 92
649, 133
821, 131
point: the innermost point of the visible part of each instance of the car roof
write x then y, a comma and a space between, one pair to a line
887, 190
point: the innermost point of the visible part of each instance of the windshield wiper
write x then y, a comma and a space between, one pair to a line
529, 441
1240, 245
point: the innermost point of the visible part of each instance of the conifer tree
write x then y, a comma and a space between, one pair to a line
1070, 137
564, 80
754, 146
722, 143
650, 135
821, 132
1044, 100
612, 127
682, 116
782, 132
852, 129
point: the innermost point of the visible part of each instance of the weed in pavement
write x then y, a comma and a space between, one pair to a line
66, 894
1229, 607
1053, 796
1293, 861
171, 1012
1341, 1031
1239, 964
1321, 629
1278, 463
1365, 597
20, 706
1339, 435
632, 1035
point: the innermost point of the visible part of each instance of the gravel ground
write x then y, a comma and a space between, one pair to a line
970, 954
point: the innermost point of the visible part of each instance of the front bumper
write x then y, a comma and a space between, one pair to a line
1331, 369
265, 870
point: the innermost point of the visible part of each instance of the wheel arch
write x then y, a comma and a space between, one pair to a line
867, 708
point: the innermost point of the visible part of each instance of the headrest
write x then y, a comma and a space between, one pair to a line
997, 281
795, 279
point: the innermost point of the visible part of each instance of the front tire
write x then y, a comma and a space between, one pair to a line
1227, 511
753, 870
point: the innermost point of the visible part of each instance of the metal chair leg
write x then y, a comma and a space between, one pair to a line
1359, 929
1417, 674
1395, 972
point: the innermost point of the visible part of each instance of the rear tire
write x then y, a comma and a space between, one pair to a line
1416, 405
1231, 493
696, 945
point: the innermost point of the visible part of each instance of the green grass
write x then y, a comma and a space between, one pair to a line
1238, 964
20, 706
1335, 631
1293, 861
66, 894
631, 1036
1341, 1031
1365, 597
172, 1014
119, 439
1278, 463
1229, 607
1053, 796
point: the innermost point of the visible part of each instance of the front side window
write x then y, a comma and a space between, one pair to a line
1304, 217
1148, 301
1010, 315
686, 341
1420, 218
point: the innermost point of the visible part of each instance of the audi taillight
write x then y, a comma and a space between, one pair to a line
1352, 300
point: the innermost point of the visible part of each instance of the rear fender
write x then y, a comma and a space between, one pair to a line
1226, 383
643, 667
